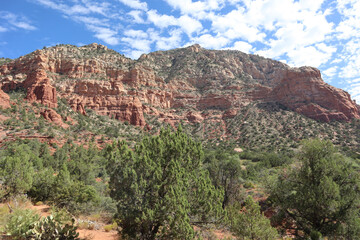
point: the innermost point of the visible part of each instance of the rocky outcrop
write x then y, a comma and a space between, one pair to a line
4, 100
52, 116
303, 90
39, 89
176, 85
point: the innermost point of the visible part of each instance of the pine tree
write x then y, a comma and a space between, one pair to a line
161, 187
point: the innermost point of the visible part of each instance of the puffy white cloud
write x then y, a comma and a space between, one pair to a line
105, 34
241, 46
310, 56
209, 41
189, 25
136, 4
185, 22
167, 42
161, 21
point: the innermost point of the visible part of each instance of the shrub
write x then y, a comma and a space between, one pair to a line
20, 223
26, 224
49, 228
108, 228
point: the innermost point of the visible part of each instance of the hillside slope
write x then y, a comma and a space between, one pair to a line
216, 92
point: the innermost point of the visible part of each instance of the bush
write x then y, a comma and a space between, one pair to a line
21, 222
108, 228
26, 224
48, 228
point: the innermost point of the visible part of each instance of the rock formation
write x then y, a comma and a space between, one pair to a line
52, 116
4, 100
175, 85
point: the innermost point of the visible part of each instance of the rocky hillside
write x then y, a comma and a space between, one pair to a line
192, 85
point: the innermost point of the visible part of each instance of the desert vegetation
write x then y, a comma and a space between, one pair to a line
171, 187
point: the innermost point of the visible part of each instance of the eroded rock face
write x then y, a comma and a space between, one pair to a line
304, 91
39, 89
4, 100
175, 85
52, 116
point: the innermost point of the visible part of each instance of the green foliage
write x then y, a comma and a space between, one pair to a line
225, 172
43, 183
68, 193
322, 195
161, 187
21, 177
250, 223
26, 224
20, 223
48, 228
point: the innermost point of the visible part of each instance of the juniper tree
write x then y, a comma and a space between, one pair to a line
322, 194
160, 187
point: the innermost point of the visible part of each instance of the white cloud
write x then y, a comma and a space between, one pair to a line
87, 8
242, 46
139, 44
352, 59
312, 56
165, 43
234, 26
188, 6
136, 4
209, 41
91, 20
161, 21
189, 25
354, 91
136, 15
349, 27
330, 72
105, 34
135, 33
16, 21
134, 54
2, 29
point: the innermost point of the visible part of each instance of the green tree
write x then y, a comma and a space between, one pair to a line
17, 175
225, 171
250, 223
322, 194
161, 187
43, 185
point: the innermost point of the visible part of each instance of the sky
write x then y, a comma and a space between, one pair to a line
319, 33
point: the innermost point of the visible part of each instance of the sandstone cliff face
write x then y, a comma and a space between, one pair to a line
4, 100
181, 84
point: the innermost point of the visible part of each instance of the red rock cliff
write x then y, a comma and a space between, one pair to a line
181, 84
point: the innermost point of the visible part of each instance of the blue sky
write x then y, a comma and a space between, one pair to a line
319, 33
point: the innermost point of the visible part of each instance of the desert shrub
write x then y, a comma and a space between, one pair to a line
48, 228
248, 222
108, 228
26, 224
20, 223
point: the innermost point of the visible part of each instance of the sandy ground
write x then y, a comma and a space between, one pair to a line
97, 235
